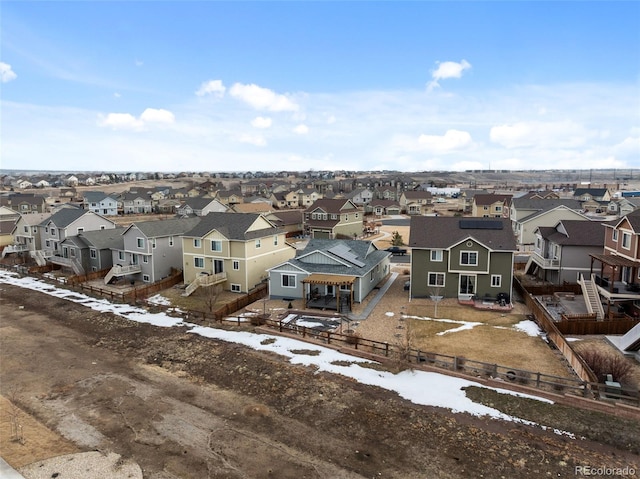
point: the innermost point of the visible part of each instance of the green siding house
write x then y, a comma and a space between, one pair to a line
461, 258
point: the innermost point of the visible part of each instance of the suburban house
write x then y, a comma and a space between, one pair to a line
63, 224
490, 205
465, 198
200, 207
232, 249
231, 197
24, 203
330, 274
135, 203
360, 196
95, 248
624, 205
101, 203
616, 270
384, 207
26, 236
333, 219
461, 258
289, 220
415, 202
589, 194
151, 250
527, 215
279, 200
562, 252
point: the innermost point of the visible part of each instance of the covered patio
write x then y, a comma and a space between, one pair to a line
329, 291
617, 275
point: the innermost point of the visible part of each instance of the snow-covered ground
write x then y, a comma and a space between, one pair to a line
419, 387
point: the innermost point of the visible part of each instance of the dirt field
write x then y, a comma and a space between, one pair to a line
183, 406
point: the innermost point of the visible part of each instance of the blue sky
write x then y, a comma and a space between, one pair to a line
239, 86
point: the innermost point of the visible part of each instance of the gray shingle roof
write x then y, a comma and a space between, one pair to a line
441, 232
579, 233
361, 249
64, 217
231, 225
104, 239
544, 204
169, 227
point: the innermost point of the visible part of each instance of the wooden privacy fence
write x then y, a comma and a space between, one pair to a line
555, 336
579, 326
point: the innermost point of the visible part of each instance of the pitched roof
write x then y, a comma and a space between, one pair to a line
361, 256
417, 194
288, 217
64, 217
590, 191
169, 227
231, 225
579, 233
544, 204
104, 239
331, 206
491, 198
442, 232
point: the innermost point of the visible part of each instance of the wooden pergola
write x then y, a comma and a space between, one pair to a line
336, 280
614, 264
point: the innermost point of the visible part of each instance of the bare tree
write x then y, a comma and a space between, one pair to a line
212, 293
435, 293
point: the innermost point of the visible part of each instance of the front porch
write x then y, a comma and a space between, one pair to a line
617, 278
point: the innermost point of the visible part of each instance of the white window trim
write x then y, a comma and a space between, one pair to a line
218, 242
469, 253
236, 288
140, 243
499, 278
626, 235
197, 243
614, 236
236, 265
288, 285
437, 273
438, 257
195, 261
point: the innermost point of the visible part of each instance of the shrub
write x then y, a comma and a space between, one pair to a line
603, 363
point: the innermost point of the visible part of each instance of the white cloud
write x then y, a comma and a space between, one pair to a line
450, 141
126, 121
121, 121
257, 140
117, 95
262, 98
153, 115
214, 87
447, 70
6, 73
261, 122
301, 129
562, 134
331, 120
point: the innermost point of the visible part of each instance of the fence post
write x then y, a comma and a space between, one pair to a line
328, 337
455, 363
304, 331
538, 379
386, 350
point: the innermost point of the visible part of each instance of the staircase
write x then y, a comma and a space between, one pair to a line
40, 257
119, 270
205, 280
591, 296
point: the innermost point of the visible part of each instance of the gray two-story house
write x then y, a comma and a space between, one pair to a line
461, 258
151, 250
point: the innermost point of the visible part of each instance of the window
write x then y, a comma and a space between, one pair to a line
198, 262
145, 259
140, 242
120, 255
626, 240
216, 245
93, 254
435, 279
196, 243
496, 280
469, 258
436, 255
153, 243
235, 288
47, 243
146, 278
615, 235
236, 265
53, 231
257, 243
288, 281
26, 229
485, 208
170, 240
275, 240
